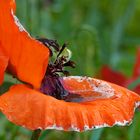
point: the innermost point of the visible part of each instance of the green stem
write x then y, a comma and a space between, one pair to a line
36, 134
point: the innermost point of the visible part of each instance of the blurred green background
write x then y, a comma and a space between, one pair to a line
98, 32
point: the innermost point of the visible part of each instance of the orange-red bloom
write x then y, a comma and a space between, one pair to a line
101, 104
28, 58
87, 102
118, 78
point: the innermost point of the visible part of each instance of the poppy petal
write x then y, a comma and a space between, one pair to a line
3, 64
28, 58
34, 110
136, 72
83, 89
10, 4
109, 75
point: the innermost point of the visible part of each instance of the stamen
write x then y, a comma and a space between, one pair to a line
50, 43
62, 49
51, 84
70, 63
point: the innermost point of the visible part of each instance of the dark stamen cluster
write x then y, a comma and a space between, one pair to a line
50, 43
60, 62
51, 84
58, 66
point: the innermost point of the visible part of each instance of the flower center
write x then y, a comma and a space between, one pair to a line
51, 84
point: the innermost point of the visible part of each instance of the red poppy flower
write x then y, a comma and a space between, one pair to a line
26, 55
120, 79
63, 103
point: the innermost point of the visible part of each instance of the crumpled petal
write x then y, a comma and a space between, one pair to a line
34, 110
28, 58
3, 63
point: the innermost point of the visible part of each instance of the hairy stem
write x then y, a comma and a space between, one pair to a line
36, 134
